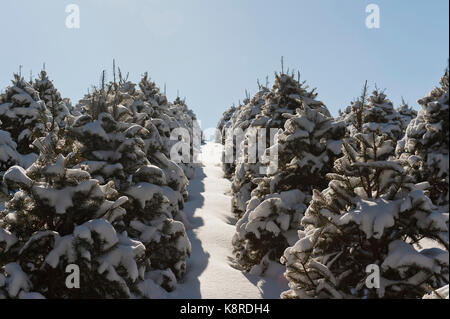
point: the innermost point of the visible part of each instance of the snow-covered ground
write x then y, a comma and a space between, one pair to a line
209, 274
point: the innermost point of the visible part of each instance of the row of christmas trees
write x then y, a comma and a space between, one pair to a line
366, 188
91, 185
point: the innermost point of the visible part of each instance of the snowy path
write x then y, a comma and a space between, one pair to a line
209, 273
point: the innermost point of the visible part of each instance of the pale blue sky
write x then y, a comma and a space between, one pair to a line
213, 50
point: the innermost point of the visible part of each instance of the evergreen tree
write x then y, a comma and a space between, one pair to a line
23, 114
113, 206
61, 216
371, 214
286, 95
167, 117
128, 156
223, 122
159, 115
307, 149
8, 154
407, 114
425, 145
187, 120
240, 122
58, 107
374, 113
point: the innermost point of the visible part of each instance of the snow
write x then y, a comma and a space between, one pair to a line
147, 233
124, 255
61, 199
102, 228
151, 290
7, 147
95, 128
8, 238
58, 168
119, 251
401, 255
27, 160
441, 293
209, 272
373, 216
334, 146
152, 174
36, 237
17, 279
63, 246
143, 192
441, 161
17, 174
30, 295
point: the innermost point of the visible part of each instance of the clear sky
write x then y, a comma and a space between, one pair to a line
211, 50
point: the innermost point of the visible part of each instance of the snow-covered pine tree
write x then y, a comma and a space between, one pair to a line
307, 149
231, 134
223, 122
129, 157
58, 107
239, 123
8, 154
59, 217
374, 113
138, 107
62, 116
182, 112
159, 110
425, 145
286, 95
407, 114
166, 117
371, 214
188, 120
115, 130
381, 116
23, 114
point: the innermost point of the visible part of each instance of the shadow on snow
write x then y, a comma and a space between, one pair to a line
189, 286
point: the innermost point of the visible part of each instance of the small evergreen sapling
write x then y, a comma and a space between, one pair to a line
307, 149
287, 95
371, 214
130, 157
407, 114
59, 108
23, 114
8, 154
425, 145
61, 216
373, 113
